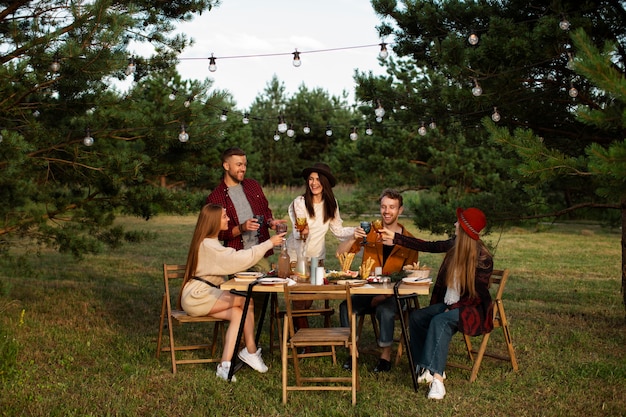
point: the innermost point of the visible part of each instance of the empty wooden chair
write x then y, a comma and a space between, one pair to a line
172, 278
311, 337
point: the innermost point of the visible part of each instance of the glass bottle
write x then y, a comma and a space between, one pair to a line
284, 263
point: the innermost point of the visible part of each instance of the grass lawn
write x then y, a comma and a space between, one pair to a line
79, 338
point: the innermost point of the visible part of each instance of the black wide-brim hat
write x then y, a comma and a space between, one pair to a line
322, 169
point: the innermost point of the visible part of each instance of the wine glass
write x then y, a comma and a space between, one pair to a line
377, 225
281, 228
259, 218
366, 226
301, 224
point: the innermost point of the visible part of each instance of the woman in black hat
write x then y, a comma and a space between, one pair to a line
319, 207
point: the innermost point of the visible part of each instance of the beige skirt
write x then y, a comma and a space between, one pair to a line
199, 298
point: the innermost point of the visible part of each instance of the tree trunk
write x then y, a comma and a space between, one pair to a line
624, 251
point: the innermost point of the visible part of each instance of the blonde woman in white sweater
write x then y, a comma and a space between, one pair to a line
208, 262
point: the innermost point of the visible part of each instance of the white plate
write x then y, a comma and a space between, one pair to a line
352, 282
248, 276
272, 281
417, 281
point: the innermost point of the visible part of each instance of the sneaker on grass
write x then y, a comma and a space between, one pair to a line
254, 360
437, 390
222, 371
425, 377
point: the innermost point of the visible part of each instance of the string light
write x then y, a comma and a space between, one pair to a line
353, 134
368, 130
212, 64
296, 59
422, 130
477, 90
473, 39
573, 92
329, 130
570, 62
282, 126
290, 131
432, 124
246, 118
88, 140
172, 95
495, 116
224, 115
36, 113
131, 68
187, 102
56, 64
379, 111
306, 129
564, 24
383, 51
183, 136
276, 136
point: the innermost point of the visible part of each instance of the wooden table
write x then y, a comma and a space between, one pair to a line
399, 289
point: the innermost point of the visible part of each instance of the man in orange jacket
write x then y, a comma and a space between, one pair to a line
391, 258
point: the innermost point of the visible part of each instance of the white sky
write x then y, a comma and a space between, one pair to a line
255, 27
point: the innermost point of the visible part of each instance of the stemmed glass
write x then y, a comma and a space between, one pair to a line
301, 224
366, 226
259, 218
378, 226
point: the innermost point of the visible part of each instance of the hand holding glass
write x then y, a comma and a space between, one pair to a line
378, 225
301, 224
281, 228
259, 218
366, 226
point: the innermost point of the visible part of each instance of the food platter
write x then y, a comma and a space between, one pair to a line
272, 281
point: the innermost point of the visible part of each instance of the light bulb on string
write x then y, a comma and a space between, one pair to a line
296, 59
495, 116
276, 136
212, 64
172, 95
353, 134
368, 130
224, 115
564, 24
306, 129
422, 130
379, 111
246, 118
131, 68
573, 92
290, 131
1, 138
88, 140
379, 119
187, 102
36, 113
383, 51
282, 126
183, 136
329, 130
432, 124
56, 64
477, 90
473, 39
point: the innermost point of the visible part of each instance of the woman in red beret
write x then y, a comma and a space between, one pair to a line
460, 299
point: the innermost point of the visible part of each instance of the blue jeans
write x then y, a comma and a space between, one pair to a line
431, 329
385, 314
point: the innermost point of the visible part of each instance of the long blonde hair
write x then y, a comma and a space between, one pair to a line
462, 261
208, 225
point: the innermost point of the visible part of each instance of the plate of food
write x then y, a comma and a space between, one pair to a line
247, 276
417, 281
335, 275
272, 281
352, 282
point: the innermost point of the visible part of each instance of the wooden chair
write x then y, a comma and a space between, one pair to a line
324, 336
499, 279
174, 274
277, 316
413, 304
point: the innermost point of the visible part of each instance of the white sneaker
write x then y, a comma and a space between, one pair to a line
437, 390
254, 360
425, 377
222, 371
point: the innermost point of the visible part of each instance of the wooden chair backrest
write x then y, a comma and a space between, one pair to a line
306, 292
